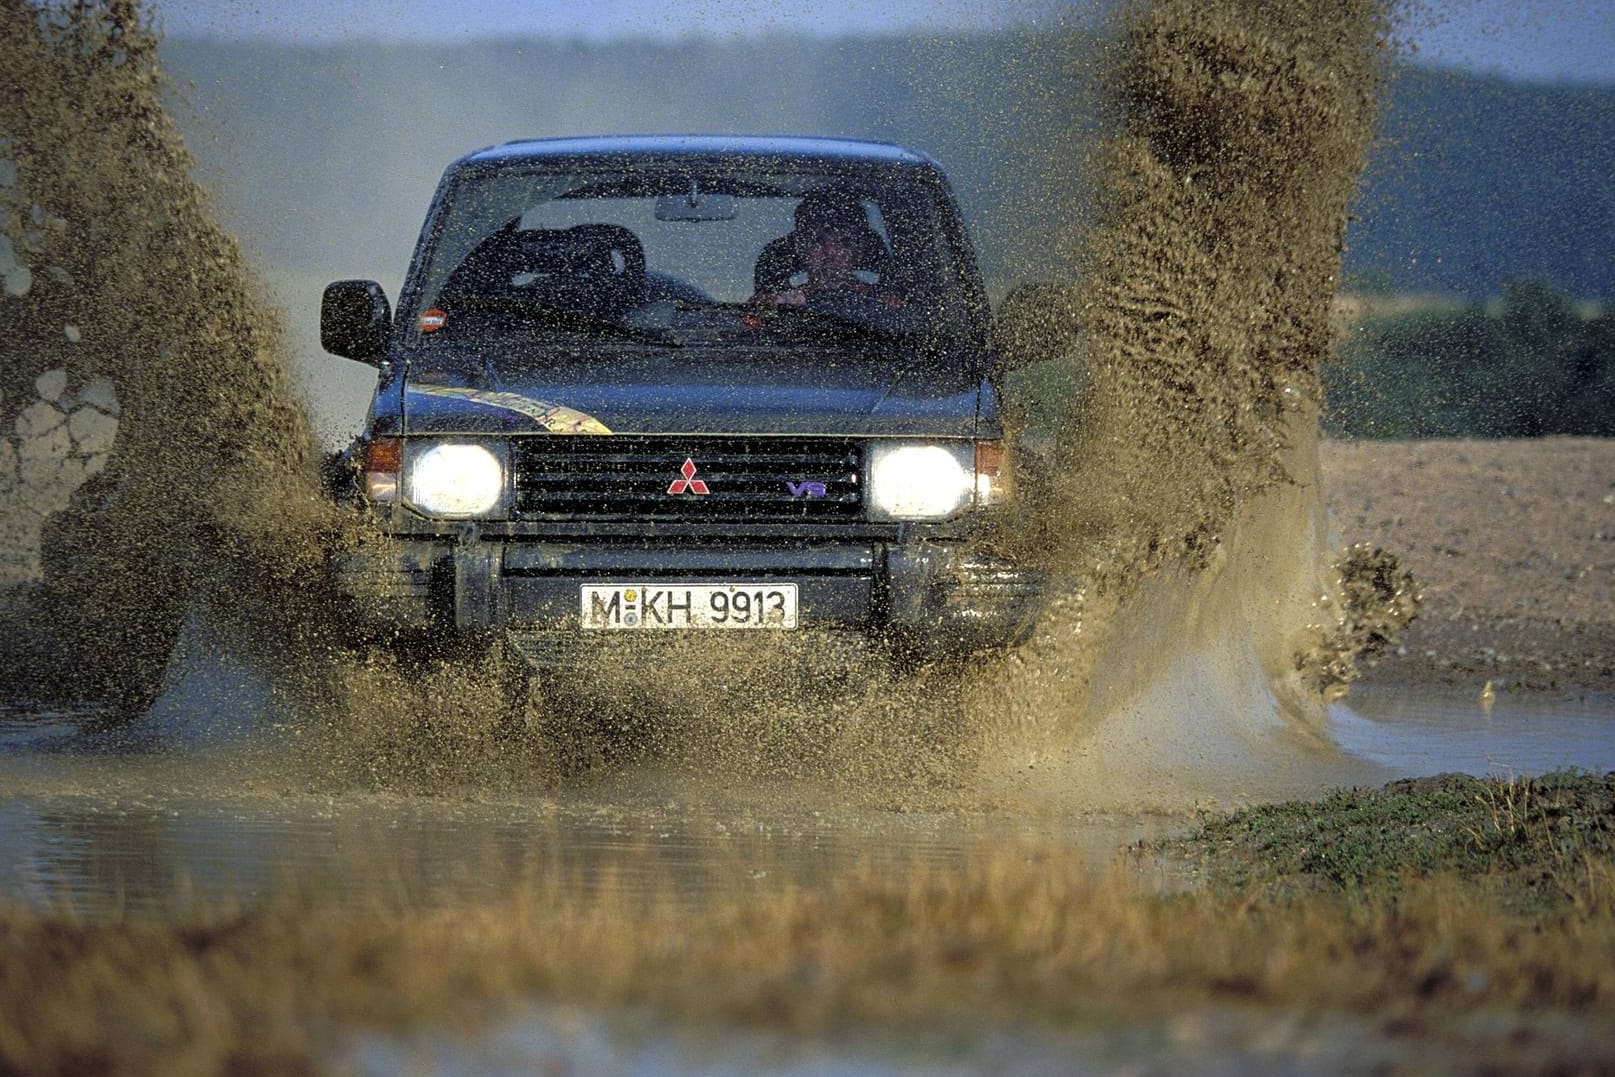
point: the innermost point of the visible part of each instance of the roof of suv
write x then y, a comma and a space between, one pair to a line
774, 147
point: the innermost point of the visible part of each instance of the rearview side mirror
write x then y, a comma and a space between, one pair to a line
355, 320
1035, 323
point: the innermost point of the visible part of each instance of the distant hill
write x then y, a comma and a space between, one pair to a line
323, 158
1480, 181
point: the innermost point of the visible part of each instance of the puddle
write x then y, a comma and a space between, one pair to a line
1416, 733
561, 1039
92, 823
151, 835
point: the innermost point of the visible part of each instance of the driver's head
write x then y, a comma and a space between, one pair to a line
830, 228
829, 253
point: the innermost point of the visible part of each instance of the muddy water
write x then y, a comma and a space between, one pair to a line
204, 801
1417, 732
132, 843
212, 797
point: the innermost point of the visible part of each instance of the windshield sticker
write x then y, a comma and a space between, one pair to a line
552, 417
432, 320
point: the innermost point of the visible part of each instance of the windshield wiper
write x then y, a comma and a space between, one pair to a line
576, 321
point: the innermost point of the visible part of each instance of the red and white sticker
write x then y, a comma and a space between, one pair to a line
432, 320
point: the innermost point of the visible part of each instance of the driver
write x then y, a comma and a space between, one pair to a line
831, 239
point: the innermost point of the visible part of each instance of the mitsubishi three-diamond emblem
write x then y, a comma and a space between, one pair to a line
689, 483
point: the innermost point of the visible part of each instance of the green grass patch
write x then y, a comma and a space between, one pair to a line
1527, 841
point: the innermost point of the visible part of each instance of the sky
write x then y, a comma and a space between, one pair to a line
1539, 40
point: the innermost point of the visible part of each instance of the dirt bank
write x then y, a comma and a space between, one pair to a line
1514, 543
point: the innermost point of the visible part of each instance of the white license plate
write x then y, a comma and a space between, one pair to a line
689, 605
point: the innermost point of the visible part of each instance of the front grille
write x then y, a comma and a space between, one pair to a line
747, 479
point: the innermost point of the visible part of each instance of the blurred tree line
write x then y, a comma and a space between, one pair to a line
1529, 365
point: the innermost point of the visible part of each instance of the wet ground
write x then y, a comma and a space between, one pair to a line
128, 822
185, 806
191, 807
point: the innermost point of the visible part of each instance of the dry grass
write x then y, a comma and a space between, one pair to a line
1022, 937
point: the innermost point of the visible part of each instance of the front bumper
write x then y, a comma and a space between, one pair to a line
938, 595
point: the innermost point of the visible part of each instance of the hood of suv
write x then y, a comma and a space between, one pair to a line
694, 391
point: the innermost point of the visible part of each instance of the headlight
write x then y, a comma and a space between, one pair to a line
454, 478
911, 481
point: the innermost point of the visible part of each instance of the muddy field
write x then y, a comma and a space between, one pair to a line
1513, 544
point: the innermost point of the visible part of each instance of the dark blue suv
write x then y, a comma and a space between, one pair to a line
679, 384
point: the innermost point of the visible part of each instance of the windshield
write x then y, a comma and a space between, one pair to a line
678, 255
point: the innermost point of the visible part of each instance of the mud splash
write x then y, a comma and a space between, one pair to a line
1187, 489
1200, 619
122, 289
1210, 274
